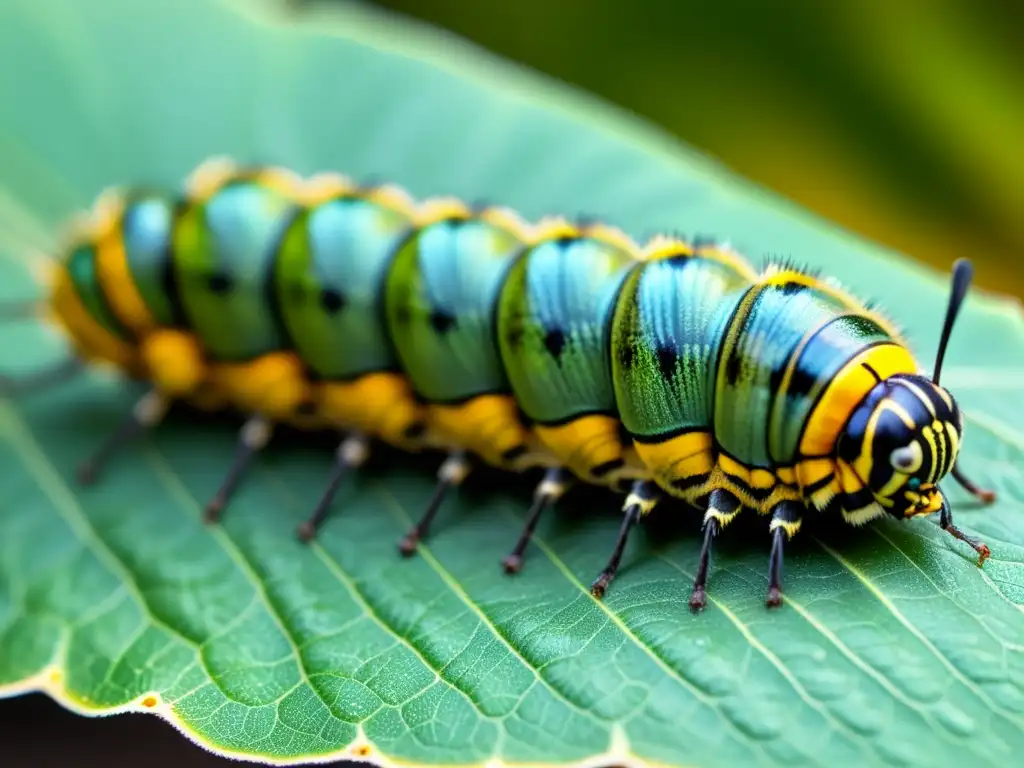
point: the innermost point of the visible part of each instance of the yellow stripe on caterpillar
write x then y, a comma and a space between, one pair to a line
863, 515
679, 458
847, 388
210, 176
553, 227
646, 504
112, 270
894, 484
322, 187
174, 361
756, 478
723, 254
281, 180
436, 209
91, 340
509, 220
664, 247
822, 497
865, 461
848, 479
920, 395
392, 196
929, 437
791, 527
777, 275
812, 471
584, 443
381, 405
954, 440
488, 425
274, 384
722, 518
606, 233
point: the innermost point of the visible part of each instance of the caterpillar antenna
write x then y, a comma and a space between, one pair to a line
962, 274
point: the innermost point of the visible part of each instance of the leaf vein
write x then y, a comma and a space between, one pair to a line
459, 592
925, 642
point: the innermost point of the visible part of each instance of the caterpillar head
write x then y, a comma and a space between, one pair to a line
901, 441
904, 437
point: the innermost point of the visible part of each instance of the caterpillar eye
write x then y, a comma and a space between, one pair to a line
907, 459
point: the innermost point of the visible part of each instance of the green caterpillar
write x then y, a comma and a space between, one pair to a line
669, 368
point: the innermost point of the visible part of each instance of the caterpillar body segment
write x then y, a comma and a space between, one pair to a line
671, 368
554, 335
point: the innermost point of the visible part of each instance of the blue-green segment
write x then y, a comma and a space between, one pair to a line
223, 251
146, 230
665, 342
762, 338
830, 347
81, 267
329, 276
440, 298
554, 326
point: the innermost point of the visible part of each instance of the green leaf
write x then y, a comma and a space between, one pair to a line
892, 648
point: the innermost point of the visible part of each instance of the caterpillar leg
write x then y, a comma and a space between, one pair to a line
983, 495
946, 523
147, 413
642, 498
722, 508
351, 454
252, 438
786, 518
60, 373
451, 474
554, 485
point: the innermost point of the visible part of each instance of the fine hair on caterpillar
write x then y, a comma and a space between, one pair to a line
669, 368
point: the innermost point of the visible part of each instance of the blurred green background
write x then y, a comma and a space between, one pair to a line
902, 120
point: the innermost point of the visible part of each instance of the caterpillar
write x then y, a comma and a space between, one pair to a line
667, 369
